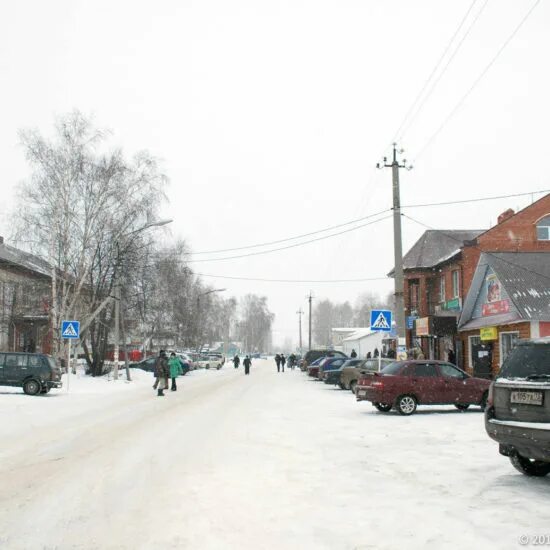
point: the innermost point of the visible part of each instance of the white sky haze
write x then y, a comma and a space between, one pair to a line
270, 116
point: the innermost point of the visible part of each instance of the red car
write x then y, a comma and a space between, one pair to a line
405, 384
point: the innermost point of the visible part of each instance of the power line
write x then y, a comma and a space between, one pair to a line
292, 238
480, 199
434, 71
444, 70
260, 252
343, 224
292, 280
476, 82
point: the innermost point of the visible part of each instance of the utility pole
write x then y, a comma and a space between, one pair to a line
300, 313
310, 298
397, 250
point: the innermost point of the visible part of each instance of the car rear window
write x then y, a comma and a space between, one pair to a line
527, 361
394, 368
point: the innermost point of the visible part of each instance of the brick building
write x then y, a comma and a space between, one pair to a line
24, 301
439, 272
434, 290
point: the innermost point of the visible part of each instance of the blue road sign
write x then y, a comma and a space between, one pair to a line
380, 319
70, 329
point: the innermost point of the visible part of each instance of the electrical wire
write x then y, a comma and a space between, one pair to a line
292, 280
480, 199
476, 82
434, 71
444, 70
291, 238
343, 224
260, 252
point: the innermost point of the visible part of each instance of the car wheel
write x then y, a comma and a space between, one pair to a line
31, 387
461, 406
383, 407
207, 367
352, 386
529, 467
483, 402
406, 405
342, 386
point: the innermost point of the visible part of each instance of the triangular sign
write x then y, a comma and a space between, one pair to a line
381, 322
70, 331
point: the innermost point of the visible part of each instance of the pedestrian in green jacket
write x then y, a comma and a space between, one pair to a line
174, 364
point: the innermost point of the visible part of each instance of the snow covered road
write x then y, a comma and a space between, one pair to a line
274, 461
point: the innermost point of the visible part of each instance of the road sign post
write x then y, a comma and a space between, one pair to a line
70, 330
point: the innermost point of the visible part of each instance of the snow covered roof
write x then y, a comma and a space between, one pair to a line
25, 260
358, 334
436, 246
526, 278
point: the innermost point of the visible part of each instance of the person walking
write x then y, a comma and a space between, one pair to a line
247, 362
353, 354
174, 365
292, 361
161, 373
236, 361
283, 361
278, 362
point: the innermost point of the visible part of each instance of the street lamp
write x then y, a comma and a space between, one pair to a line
117, 296
199, 344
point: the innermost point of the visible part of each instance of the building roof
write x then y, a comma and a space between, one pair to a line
436, 246
24, 260
526, 278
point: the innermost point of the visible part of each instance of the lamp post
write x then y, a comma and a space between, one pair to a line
199, 344
117, 293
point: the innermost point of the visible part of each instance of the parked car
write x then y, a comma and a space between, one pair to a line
313, 369
211, 361
329, 364
405, 384
314, 354
351, 374
34, 372
518, 409
333, 376
146, 365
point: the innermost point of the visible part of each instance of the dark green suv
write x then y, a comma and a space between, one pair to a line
518, 408
35, 372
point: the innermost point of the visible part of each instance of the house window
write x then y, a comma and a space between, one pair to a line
442, 288
456, 284
543, 229
508, 341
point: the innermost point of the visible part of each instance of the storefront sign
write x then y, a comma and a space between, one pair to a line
422, 326
488, 333
494, 308
452, 305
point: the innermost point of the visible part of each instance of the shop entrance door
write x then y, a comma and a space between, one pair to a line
482, 356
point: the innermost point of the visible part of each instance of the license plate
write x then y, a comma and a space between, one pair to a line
361, 393
526, 397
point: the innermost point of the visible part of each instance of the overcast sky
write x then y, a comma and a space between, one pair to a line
270, 116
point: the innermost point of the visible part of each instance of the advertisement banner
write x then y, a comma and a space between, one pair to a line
422, 326
488, 333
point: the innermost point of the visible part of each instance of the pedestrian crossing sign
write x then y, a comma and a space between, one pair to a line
70, 329
380, 319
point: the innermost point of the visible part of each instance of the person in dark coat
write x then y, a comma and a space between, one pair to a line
451, 357
369, 356
391, 353
161, 373
247, 362
236, 361
278, 362
353, 354
376, 352
283, 361
292, 361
